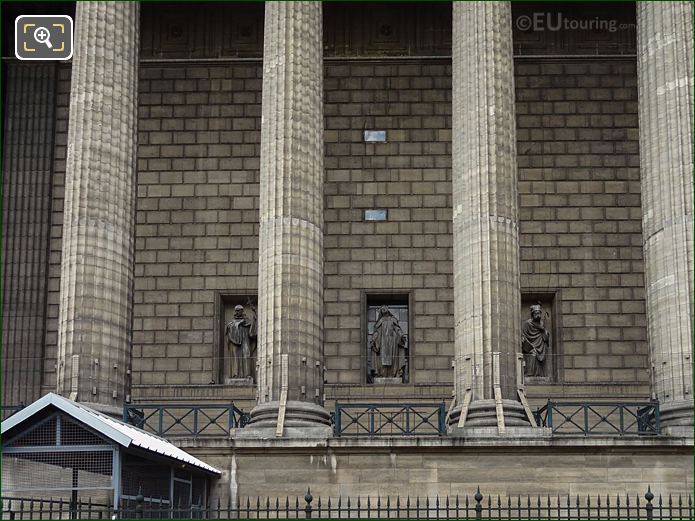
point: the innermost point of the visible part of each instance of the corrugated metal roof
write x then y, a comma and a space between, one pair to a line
121, 433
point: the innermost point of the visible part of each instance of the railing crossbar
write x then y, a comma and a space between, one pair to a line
600, 418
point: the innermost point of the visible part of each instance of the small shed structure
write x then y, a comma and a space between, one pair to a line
57, 448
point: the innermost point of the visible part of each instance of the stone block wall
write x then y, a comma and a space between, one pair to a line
580, 214
198, 202
356, 468
197, 213
197, 217
409, 176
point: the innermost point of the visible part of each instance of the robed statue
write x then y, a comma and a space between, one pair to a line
241, 335
388, 346
535, 342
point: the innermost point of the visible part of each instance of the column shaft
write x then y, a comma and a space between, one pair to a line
290, 285
665, 71
486, 245
96, 287
27, 173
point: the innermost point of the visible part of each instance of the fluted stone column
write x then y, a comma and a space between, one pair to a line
96, 286
27, 172
290, 281
665, 71
486, 237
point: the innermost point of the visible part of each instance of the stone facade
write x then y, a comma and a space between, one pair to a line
367, 469
197, 215
581, 171
579, 199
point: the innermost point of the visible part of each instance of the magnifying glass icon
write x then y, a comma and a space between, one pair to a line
42, 35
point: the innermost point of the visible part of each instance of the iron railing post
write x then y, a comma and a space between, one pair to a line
657, 418
139, 504
586, 419
621, 410
549, 416
308, 498
442, 418
195, 421
337, 425
161, 421
649, 507
478, 507
125, 413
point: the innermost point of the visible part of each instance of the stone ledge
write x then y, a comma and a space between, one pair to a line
436, 443
201, 393
225, 393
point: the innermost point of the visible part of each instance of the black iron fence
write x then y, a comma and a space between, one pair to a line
476, 506
195, 420
393, 419
389, 419
600, 418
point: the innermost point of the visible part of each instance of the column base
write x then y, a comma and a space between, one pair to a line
676, 418
108, 410
302, 420
481, 421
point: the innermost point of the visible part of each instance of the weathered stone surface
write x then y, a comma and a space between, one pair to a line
96, 287
665, 71
290, 272
486, 235
580, 217
511, 466
27, 157
197, 229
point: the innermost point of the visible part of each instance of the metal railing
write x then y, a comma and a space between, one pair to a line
169, 420
477, 506
8, 410
600, 418
389, 419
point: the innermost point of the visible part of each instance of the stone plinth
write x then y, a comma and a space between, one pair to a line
387, 381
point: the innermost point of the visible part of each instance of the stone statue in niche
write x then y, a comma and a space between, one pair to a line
535, 342
241, 334
388, 346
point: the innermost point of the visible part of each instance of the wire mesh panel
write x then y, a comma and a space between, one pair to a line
58, 458
151, 480
72, 433
43, 433
56, 472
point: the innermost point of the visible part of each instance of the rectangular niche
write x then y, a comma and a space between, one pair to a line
550, 304
225, 302
396, 368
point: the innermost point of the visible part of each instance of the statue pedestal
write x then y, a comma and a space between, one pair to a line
240, 382
535, 380
388, 381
